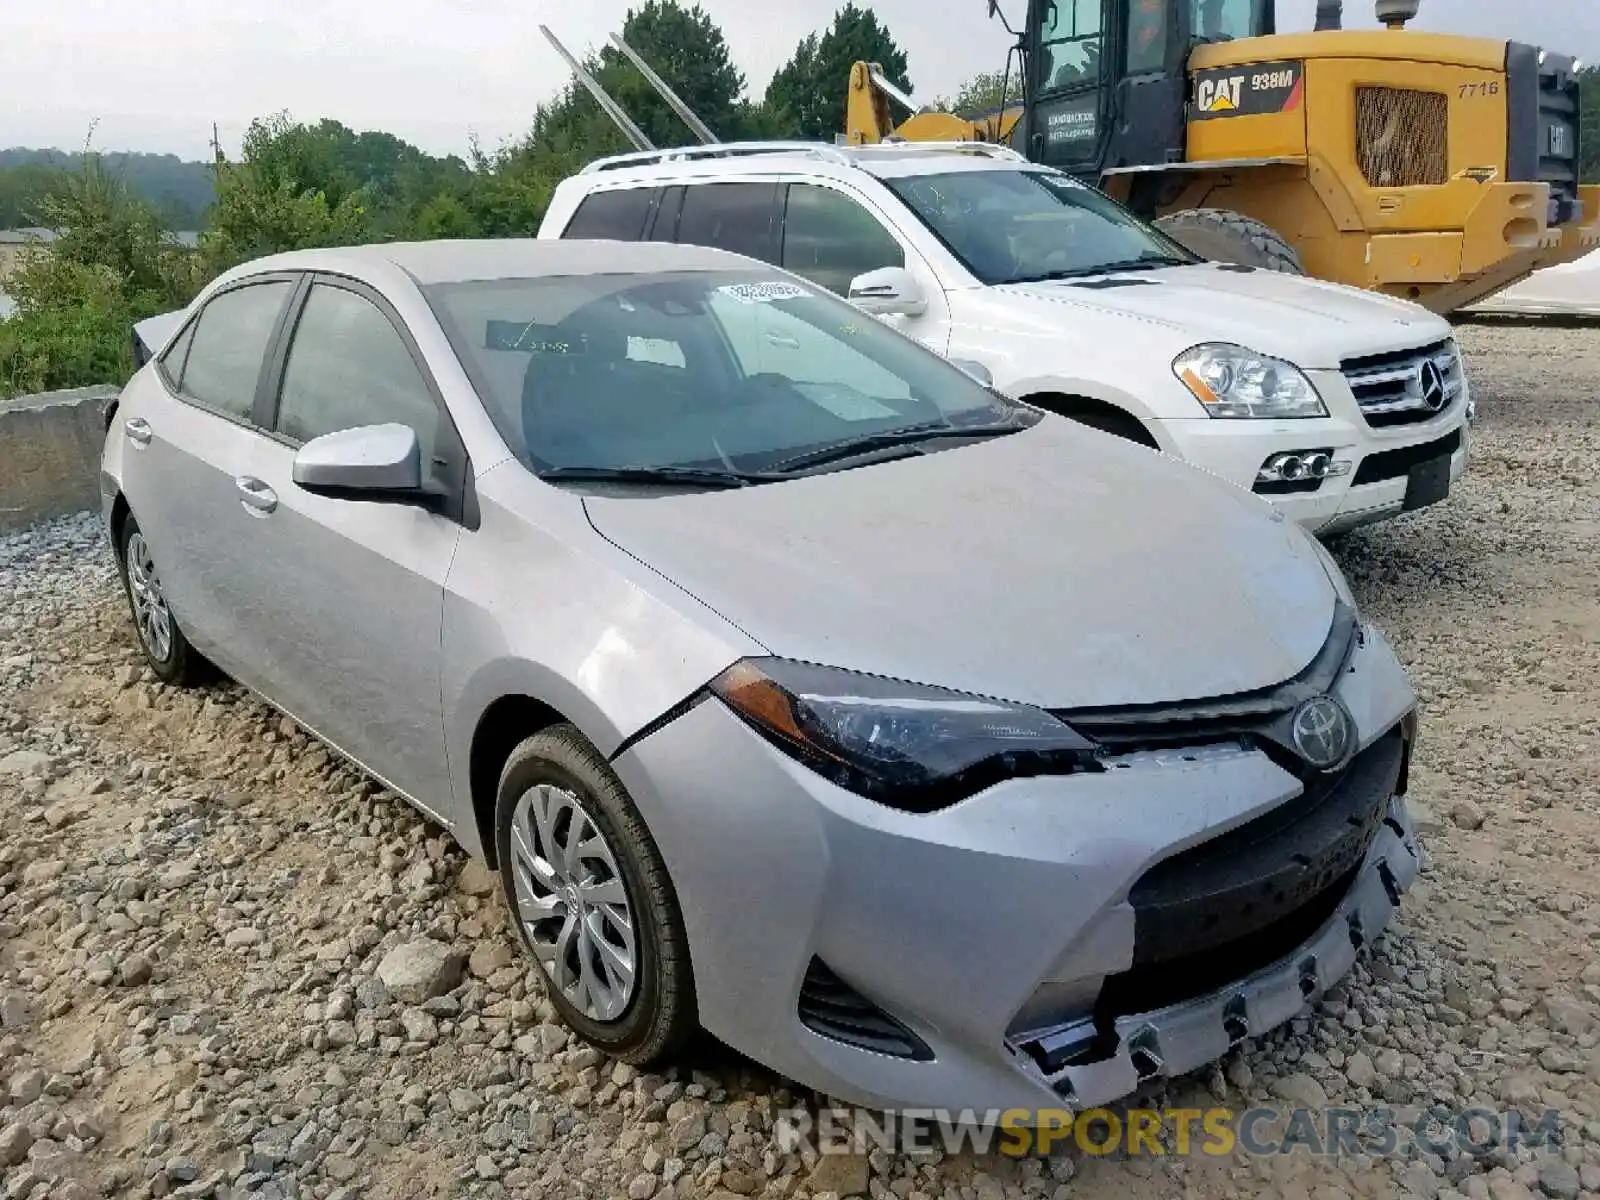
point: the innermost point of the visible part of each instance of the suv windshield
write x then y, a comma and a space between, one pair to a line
694, 374
1022, 226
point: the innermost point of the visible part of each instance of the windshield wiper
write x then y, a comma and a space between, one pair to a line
685, 476
888, 439
1145, 262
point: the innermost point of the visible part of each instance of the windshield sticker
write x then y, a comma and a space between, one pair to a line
762, 293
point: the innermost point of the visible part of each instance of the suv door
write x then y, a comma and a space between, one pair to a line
352, 591
191, 432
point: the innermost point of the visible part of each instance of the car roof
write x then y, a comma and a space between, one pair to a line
882, 161
461, 260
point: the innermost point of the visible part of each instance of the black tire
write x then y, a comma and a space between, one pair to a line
180, 664
1222, 235
661, 1015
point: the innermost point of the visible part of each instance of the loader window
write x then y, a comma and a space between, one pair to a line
1147, 36
1069, 44
1229, 20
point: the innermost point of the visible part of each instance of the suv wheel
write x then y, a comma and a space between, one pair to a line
591, 900
165, 648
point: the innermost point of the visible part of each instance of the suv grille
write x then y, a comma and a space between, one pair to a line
1390, 388
1402, 136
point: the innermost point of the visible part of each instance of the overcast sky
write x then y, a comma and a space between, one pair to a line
157, 73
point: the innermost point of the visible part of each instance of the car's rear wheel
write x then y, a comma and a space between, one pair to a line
591, 900
165, 648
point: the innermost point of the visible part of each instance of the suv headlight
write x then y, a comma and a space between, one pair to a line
911, 747
1230, 381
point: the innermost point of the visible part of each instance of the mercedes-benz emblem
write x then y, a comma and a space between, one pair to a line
1323, 732
1430, 385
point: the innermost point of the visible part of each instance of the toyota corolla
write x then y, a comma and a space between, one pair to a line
926, 747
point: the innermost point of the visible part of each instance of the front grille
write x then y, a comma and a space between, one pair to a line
1392, 464
1402, 136
1239, 902
832, 1008
1391, 389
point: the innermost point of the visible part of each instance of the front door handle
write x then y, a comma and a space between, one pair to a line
138, 431
255, 495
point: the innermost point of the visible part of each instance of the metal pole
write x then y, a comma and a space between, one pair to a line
674, 101
612, 109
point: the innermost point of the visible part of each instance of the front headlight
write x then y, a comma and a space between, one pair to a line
1230, 381
911, 747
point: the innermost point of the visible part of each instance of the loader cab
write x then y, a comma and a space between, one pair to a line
1106, 80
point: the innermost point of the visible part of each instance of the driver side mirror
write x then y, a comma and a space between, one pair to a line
889, 291
370, 462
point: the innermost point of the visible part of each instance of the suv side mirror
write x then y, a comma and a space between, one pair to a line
371, 462
888, 291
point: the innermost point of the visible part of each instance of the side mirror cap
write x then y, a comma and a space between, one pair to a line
370, 462
888, 291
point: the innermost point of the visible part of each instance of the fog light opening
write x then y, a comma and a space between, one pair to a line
1298, 466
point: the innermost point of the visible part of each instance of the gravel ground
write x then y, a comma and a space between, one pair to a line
229, 966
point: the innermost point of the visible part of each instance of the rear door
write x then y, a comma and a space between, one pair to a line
191, 432
355, 588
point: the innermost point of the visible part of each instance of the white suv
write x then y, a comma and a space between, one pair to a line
1341, 406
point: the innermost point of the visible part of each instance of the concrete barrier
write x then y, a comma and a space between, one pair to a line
50, 454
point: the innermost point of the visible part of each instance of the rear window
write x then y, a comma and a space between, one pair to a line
615, 216
736, 217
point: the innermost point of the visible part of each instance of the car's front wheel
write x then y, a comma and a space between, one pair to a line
591, 900
165, 648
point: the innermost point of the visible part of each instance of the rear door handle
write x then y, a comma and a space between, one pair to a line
138, 431
255, 495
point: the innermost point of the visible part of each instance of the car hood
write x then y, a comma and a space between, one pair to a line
1057, 566
1309, 322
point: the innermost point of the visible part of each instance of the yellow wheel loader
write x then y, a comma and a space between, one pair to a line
1437, 168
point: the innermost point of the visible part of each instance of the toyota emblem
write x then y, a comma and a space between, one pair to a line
1323, 732
1430, 385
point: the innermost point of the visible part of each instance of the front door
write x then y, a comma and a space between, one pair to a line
356, 587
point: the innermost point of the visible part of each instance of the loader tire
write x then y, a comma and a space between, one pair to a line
1229, 237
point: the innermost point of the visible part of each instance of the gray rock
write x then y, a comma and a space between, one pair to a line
1360, 1071
1467, 815
14, 1143
1300, 1090
1559, 1180
27, 1086
134, 971
420, 970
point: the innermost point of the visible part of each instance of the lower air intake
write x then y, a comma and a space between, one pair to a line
833, 1009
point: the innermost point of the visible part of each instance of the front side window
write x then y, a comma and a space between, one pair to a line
1025, 226
348, 367
1229, 20
1147, 36
228, 346
830, 239
1069, 43
715, 370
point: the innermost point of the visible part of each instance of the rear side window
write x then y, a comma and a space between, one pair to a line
614, 216
228, 346
830, 239
730, 216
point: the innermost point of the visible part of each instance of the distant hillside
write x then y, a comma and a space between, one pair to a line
180, 191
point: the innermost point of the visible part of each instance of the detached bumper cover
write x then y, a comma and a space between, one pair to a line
1184, 1037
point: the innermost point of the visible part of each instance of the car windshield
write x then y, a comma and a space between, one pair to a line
698, 371
1022, 226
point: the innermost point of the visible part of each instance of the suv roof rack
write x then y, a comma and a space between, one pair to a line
645, 158
986, 149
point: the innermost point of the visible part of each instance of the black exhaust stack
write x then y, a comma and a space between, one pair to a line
1330, 14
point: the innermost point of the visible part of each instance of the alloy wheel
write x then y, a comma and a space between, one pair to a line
572, 903
150, 610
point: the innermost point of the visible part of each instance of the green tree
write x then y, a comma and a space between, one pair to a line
985, 92
808, 93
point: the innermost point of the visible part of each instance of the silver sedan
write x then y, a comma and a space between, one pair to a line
929, 749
